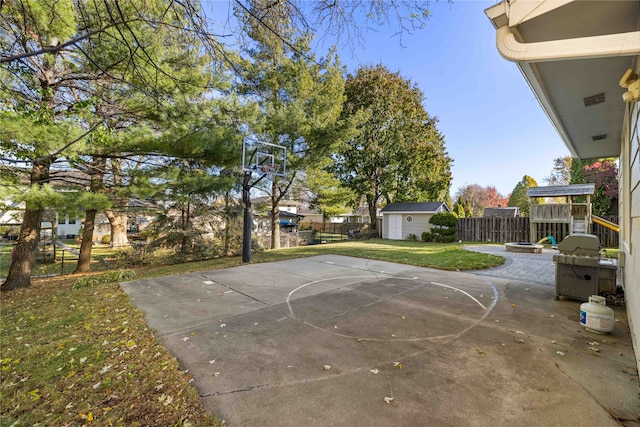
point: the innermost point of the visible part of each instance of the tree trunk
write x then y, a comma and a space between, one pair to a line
24, 253
118, 222
373, 219
84, 259
275, 228
227, 224
186, 231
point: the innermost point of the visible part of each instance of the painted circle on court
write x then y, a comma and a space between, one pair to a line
424, 310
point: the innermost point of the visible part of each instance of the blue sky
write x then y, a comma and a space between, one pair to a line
494, 128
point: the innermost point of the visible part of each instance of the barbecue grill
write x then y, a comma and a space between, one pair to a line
578, 266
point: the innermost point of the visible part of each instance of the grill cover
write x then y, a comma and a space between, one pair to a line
580, 244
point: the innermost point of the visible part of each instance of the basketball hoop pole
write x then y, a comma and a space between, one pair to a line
260, 158
246, 231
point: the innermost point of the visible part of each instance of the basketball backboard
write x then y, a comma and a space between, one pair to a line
264, 158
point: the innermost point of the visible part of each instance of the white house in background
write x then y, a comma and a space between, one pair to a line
582, 60
399, 220
68, 225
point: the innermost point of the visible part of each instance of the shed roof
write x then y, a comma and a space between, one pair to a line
508, 212
562, 190
424, 207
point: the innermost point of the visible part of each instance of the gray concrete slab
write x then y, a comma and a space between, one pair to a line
324, 340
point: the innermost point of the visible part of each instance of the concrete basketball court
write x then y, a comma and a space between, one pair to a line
341, 341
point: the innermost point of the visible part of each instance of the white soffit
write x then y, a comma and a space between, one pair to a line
572, 54
523, 10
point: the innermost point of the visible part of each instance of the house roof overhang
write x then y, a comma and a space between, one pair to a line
573, 54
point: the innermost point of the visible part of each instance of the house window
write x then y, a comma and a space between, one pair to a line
72, 220
62, 219
409, 218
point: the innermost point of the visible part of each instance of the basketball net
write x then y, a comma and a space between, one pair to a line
269, 169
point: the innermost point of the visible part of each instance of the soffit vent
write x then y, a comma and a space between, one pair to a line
594, 99
599, 137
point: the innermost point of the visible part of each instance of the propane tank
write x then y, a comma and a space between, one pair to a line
595, 316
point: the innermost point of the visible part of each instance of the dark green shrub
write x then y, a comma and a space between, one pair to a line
444, 219
447, 231
444, 227
426, 236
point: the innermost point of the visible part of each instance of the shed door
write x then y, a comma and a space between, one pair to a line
395, 227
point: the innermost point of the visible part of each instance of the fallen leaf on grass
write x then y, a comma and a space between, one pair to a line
397, 365
480, 351
560, 353
185, 339
374, 371
388, 400
326, 367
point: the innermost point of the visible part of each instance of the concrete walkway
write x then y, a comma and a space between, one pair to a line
67, 248
531, 268
341, 341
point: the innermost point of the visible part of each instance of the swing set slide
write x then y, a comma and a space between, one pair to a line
610, 225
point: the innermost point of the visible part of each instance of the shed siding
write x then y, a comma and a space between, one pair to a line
419, 224
395, 226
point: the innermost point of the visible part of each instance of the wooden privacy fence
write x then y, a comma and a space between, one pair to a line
608, 238
493, 229
503, 230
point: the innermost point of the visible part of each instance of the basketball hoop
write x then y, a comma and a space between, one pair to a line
269, 169
258, 158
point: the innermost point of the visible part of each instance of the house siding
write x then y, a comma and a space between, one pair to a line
68, 225
629, 197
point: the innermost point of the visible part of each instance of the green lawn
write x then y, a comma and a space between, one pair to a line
434, 255
75, 351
